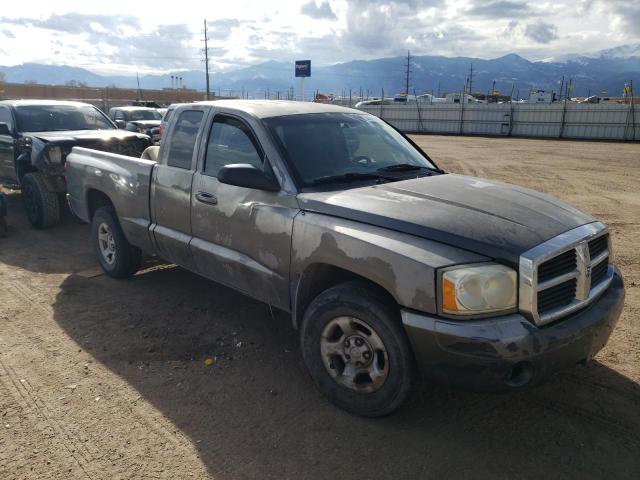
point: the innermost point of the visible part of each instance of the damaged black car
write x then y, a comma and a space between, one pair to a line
35, 138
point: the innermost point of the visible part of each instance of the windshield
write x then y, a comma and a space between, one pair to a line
321, 145
49, 118
135, 115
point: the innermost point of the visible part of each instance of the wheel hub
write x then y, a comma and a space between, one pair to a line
358, 351
354, 354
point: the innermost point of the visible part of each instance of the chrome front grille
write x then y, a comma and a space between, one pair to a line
565, 273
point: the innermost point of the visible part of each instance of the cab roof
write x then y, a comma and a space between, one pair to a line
277, 108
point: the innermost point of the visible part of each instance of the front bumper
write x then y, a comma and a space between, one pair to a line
510, 351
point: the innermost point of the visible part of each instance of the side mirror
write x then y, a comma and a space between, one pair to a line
121, 124
248, 176
4, 129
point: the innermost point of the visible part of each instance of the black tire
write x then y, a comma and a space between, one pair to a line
3, 227
42, 206
363, 303
126, 258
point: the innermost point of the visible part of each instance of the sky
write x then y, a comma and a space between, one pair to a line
124, 37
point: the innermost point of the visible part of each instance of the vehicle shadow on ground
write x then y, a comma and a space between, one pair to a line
45, 251
255, 413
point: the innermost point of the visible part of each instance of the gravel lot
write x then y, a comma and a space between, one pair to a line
107, 379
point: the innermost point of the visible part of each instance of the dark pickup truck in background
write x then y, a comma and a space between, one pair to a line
35, 138
138, 119
384, 261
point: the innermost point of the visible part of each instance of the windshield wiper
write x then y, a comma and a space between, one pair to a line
347, 177
401, 167
409, 167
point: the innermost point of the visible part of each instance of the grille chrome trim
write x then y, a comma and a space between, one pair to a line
557, 280
577, 239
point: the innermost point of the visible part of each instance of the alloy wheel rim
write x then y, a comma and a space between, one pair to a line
354, 355
106, 243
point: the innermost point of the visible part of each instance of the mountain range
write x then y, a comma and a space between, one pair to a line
593, 73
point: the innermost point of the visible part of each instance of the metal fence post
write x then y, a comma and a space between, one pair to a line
419, 113
461, 114
510, 117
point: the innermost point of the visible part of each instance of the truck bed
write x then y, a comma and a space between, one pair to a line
125, 180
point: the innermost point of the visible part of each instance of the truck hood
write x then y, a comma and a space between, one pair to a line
81, 136
491, 218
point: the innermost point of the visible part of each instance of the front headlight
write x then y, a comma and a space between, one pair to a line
55, 154
479, 289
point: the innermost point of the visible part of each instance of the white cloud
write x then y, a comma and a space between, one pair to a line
123, 36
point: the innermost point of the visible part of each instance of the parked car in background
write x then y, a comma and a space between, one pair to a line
384, 261
137, 119
35, 138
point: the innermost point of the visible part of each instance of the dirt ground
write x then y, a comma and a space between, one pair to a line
107, 379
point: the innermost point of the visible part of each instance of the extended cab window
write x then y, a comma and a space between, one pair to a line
183, 139
230, 141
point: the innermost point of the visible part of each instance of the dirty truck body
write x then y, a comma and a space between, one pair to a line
384, 261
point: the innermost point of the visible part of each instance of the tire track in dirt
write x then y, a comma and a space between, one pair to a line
85, 452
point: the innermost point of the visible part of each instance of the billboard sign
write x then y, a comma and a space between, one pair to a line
303, 68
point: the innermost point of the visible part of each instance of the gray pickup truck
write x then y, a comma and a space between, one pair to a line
385, 262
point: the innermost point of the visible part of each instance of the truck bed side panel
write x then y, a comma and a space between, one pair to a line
125, 180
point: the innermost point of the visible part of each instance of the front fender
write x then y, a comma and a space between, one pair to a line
404, 265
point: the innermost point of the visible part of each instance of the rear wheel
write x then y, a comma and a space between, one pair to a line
118, 258
356, 350
42, 206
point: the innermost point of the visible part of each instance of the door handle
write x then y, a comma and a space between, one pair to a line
205, 197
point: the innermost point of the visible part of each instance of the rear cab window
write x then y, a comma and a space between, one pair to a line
182, 142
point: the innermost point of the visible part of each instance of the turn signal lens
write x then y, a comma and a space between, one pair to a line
449, 303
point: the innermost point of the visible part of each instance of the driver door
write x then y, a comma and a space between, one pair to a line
241, 236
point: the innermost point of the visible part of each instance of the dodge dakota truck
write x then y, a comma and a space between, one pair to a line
387, 264
35, 138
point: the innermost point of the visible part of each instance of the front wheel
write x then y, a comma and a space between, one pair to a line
356, 350
42, 206
118, 258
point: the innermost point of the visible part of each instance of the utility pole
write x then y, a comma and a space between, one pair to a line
471, 79
206, 56
139, 92
407, 74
